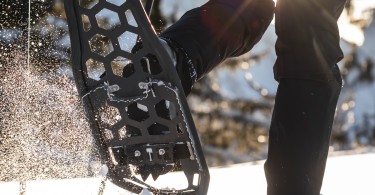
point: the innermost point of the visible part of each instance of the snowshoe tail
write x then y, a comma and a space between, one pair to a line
133, 98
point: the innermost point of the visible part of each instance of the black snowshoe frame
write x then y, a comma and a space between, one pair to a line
145, 124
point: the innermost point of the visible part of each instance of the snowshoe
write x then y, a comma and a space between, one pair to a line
133, 97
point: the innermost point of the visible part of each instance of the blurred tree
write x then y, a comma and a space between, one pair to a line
157, 20
13, 14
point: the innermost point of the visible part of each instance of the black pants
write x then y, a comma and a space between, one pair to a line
309, 80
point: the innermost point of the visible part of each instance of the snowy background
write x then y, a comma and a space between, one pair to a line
43, 132
255, 87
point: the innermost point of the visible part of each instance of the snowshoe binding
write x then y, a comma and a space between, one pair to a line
133, 97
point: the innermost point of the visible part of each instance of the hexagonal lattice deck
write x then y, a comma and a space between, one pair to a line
133, 97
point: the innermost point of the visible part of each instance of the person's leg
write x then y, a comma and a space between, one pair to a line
206, 36
299, 136
215, 31
309, 85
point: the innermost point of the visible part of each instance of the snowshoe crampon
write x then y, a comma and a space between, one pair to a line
133, 97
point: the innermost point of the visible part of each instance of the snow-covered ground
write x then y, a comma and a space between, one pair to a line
345, 175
